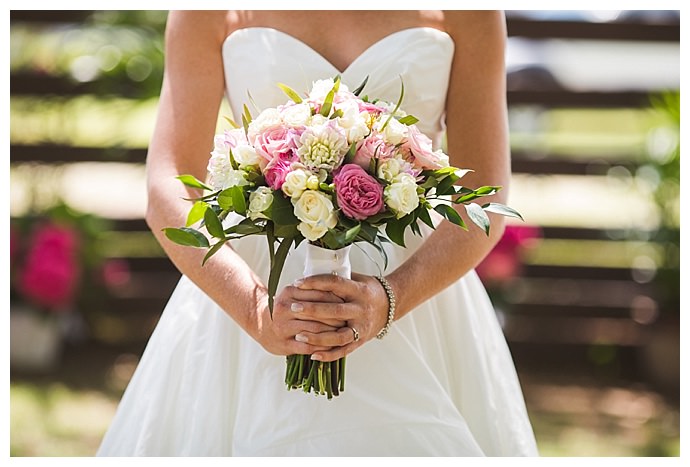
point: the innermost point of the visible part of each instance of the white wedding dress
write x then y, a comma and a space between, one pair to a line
442, 383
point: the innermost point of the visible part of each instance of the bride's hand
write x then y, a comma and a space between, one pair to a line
277, 335
365, 308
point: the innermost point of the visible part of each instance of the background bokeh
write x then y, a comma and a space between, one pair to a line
587, 290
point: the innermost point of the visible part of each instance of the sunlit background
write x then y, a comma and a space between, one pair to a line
587, 289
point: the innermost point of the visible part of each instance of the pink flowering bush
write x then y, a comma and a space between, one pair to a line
505, 261
51, 270
52, 259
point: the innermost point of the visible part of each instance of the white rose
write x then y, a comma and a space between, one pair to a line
321, 88
265, 120
295, 183
316, 211
401, 195
394, 133
245, 155
318, 120
353, 121
259, 201
390, 168
296, 115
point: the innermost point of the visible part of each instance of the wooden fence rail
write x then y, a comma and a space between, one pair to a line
602, 296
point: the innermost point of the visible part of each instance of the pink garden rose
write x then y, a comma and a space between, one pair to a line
51, 272
359, 194
276, 170
368, 107
275, 142
369, 147
421, 148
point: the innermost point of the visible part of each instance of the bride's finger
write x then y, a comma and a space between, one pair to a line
324, 311
339, 338
335, 353
344, 288
308, 295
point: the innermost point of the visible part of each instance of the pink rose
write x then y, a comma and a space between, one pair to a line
51, 273
359, 194
370, 147
276, 170
421, 149
370, 108
274, 142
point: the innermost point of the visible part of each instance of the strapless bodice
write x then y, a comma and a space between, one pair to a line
257, 58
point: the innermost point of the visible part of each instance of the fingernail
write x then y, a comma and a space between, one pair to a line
296, 307
298, 283
316, 356
301, 338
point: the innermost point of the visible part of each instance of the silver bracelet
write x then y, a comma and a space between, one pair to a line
391, 306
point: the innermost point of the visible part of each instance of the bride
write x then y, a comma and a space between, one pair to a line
441, 382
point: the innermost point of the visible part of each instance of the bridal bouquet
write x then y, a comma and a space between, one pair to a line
333, 168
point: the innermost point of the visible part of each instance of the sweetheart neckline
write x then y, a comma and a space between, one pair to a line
358, 58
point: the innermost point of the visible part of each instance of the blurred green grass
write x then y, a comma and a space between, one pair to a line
52, 419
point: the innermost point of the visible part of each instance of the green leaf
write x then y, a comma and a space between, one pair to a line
192, 181
213, 224
291, 93
328, 101
246, 227
360, 88
247, 114
478, 216
213, 251
451, 214
186, 237
271, 238
350, 234
196, 213
286, 231
225, 199
502, 209
479, 192
408, 120
423, 214
283, 211
350, 154
276, 269
231, 122
239, 204
246, 118
395, 229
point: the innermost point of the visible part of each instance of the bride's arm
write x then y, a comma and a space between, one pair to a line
477, 139
190, 98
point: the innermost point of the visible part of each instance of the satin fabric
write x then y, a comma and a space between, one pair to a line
441, 383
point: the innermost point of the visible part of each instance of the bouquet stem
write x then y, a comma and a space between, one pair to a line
324, 378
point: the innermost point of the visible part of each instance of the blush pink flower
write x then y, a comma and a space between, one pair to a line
51, 272
277, 141
359, 195
276, 170
420, 146
370, 147
368, 107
